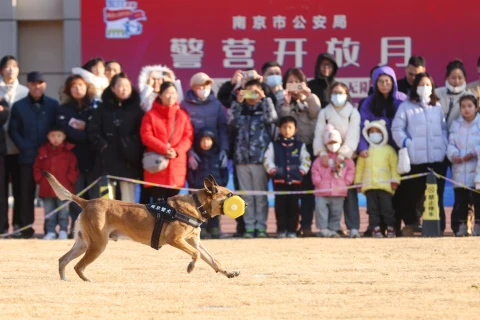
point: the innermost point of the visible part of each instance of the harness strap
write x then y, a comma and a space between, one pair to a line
200, 207
194, 222
157, 231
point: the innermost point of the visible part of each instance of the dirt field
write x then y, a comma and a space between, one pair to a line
280, 279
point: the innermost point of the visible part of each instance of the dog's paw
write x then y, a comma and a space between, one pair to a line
233, 274
190, 267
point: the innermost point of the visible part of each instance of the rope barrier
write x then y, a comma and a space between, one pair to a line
239, 192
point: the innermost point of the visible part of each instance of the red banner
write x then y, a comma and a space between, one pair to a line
218, 37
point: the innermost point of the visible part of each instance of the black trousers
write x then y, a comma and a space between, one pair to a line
380, 208
411, 191
286, 208
12, 174
3, 198
307, 207
26, 199
240, 222
463, 197
162, 193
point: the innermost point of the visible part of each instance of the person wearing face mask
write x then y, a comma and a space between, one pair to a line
93, 71
455, 88
379, 178
167, 130
304, 106
345, 118
325, 71
335, 177
419, 125
205, 110
114, 133
11, 91
31, 118
474, 87
272, 76
149, 82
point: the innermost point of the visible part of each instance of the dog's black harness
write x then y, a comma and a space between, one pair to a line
163, 212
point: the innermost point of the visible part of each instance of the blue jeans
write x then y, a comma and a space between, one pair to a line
60, 217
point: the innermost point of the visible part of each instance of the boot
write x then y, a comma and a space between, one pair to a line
307, 233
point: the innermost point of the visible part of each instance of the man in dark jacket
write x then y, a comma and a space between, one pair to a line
325, 71
31, 119
4, 110
416, 65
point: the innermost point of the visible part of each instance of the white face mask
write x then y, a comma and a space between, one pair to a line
334, 147
274, 80
424, 92
455, 89
339, 99
202, 94
375, 137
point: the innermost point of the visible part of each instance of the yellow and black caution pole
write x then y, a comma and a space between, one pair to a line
106, 189
431, 213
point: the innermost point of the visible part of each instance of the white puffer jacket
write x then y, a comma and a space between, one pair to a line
347, 121
463, 139
423, 130
147, 96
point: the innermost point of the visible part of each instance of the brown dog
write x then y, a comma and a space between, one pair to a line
102, 219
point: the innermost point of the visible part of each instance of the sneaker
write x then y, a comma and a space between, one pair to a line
407, 231
261, 233
323, 233
249, 234
282, 234
291, 235
462, 231
377, 232
333, 234
63, 235
476, 230
307, 233
50, 236
354, 233
391, 232
204, 234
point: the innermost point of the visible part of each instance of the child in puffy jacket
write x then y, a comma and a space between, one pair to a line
56, 156
287, 161
462, 151
379, 177
331, 183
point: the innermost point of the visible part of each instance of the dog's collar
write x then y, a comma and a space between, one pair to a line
200, 207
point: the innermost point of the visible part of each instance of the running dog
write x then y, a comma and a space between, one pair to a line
102, 219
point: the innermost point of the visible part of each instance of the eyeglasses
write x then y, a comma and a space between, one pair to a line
326, 65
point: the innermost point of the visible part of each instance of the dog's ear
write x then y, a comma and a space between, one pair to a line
210, 185
213, 179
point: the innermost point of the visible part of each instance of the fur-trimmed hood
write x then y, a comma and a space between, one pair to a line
145, 74
380, 125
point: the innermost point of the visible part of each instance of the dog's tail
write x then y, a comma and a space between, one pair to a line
62, 192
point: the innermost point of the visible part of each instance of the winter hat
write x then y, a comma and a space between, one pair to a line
199, 79
331, 135
380, 125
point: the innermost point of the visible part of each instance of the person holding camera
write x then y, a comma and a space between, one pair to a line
304, 106
252, 115
114, 132
149, 82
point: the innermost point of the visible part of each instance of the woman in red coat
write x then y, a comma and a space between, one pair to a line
155, 131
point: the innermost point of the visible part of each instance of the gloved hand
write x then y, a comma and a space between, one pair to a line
223, 159
193, 160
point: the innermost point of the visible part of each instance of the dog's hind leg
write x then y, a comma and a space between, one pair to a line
207, 257
77, 250
95, 248
185, 247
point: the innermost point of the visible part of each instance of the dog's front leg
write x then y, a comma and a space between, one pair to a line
181, 244
207, 257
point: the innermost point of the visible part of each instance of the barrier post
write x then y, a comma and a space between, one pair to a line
106, 189
431, 213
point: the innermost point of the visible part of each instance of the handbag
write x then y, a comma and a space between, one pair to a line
403, 161
154, 162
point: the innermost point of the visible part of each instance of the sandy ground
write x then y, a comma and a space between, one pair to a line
280, 279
